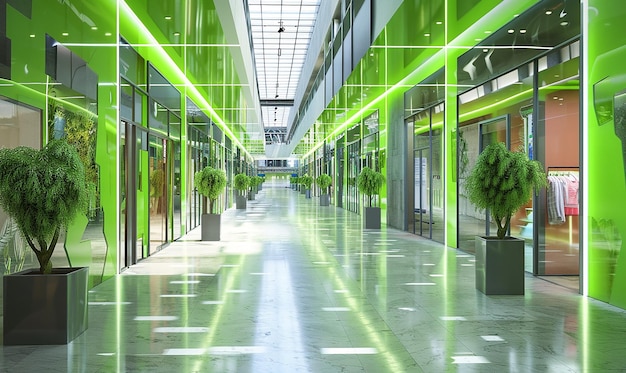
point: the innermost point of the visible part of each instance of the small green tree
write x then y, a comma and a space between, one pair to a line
306, 180
324, 181
43, 190
210, 183
502, 181
241, 182
369, 183
254, 182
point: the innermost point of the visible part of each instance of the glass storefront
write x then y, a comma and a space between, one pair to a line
21, 126
424, 174
425, 213
532, 109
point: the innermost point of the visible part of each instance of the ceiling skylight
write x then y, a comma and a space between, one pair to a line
281, 32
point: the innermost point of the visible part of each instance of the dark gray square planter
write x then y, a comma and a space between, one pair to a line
325, 200
500, 265
45, 309
307, 193
250, 196
302, 190
240, 202
371, 219
211, 225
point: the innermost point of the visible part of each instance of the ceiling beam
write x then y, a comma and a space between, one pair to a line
276, 102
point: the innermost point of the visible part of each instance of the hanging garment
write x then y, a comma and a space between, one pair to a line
571, 196
555, 200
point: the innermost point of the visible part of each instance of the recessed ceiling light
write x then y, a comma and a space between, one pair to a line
107, 34
564, 23
439, 23
548, 12
522, 31
427, 34
510, 31
65, 33
168, 17
177, 34
94, 27
32, 35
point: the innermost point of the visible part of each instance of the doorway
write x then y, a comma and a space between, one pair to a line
133, 207
424, 201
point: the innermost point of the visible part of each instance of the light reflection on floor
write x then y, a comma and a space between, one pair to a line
296, 287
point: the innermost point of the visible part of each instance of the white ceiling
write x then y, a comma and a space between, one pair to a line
279, 56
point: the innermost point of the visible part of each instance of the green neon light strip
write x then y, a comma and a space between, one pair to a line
136, 22
457, 43
585, 160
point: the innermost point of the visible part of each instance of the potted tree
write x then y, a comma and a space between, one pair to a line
241, 185
295, 181
323, 181
502, 181
43, 191
369, 183
306, 182
259, 187
210, 183
253, 183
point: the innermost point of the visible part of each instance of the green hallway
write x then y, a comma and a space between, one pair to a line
297, 287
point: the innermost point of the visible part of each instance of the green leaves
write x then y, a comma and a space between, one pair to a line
255, 180
324, 181
241, 182
369, 182
43, 190
503, 181
210, 182
306, 180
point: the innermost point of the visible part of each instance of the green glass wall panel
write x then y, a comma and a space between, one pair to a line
85, 31
606, 173
89, 30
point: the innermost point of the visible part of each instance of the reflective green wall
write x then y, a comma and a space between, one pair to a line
185, 43
606, 153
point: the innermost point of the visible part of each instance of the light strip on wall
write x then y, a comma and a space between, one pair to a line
585, 146
460, 42
126, 11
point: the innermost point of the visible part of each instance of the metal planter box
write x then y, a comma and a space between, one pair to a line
240, 202
500, 265
371, 220
45, 309
211, 226
325, 200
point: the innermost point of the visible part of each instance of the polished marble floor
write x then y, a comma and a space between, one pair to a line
295, 287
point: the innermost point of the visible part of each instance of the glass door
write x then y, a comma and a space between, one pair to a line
473, 138
340, 173
133, 209
158, 173
424, 169
354, 168
126, 251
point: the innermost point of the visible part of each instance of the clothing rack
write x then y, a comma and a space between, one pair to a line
562, 170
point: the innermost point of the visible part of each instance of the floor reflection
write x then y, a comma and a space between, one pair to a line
295, 287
